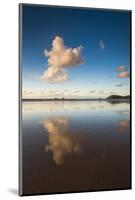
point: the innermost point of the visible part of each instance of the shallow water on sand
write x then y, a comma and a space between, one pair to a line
75, 146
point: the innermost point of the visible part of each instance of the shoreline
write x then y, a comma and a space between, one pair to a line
63, 100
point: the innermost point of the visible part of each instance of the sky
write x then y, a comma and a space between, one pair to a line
74, 53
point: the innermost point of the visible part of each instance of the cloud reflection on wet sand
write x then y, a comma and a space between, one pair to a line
123, 125
61, 142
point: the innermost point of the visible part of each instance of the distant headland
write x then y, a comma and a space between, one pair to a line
118, 97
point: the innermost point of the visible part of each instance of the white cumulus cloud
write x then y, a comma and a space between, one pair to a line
60, 58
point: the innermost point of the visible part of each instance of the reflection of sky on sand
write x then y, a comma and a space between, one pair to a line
30, 108
61, 142
93, 113
123, 113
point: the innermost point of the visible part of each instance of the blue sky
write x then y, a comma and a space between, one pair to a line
105, 39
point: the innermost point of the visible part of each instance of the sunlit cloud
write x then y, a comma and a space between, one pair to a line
60, 58
61, 142
121, 68
101, 44
123, 74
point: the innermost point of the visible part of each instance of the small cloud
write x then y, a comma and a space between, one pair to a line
92, 91
76, 91
60, 58
111, 93
121, 68
66, 91
123, 74
101, 44
120, 85
101, 92
27, 92
52, 91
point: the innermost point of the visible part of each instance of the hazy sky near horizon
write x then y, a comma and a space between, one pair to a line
75, 53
